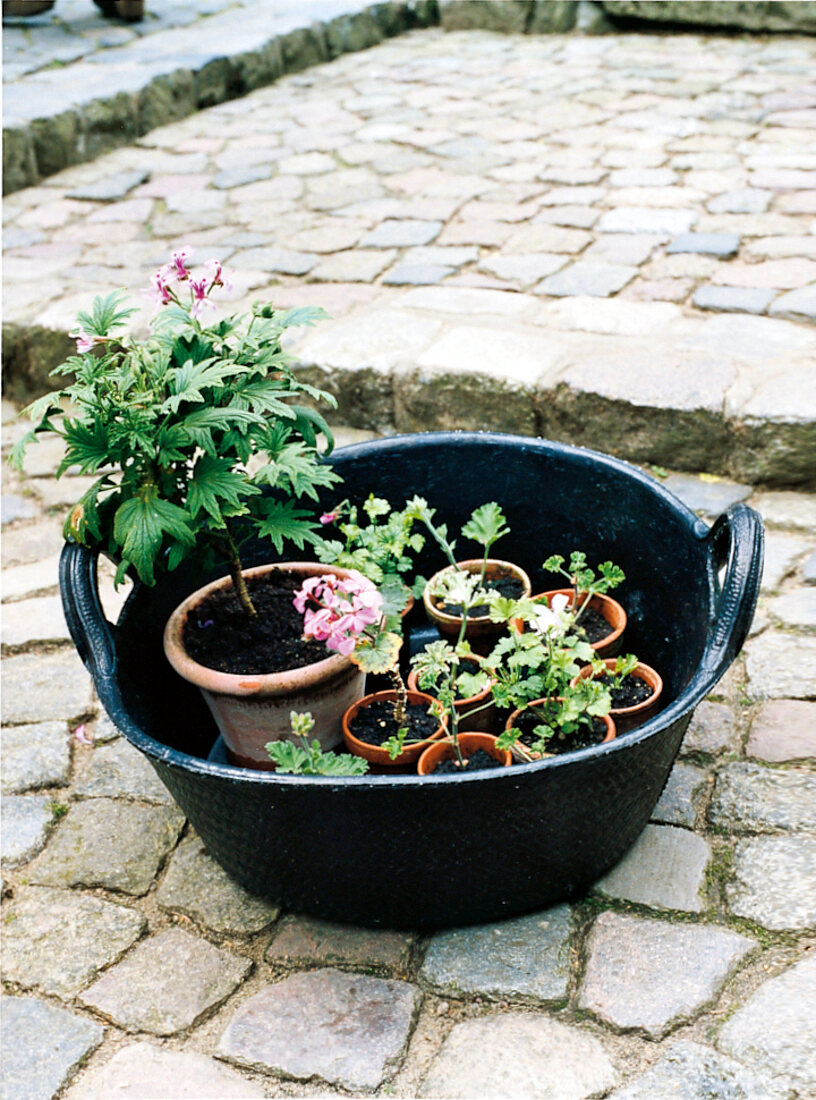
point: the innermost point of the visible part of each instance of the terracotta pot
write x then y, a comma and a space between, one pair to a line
469, 743
610, 609
481, 722
251, 709
481, 633
611, 732
373, 753
626, 718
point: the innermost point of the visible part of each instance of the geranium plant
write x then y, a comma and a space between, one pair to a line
486, 526
439, 670
185, 430
307, 757
584, 581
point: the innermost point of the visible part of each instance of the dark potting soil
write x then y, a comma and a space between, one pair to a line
593, 626
220, 635
375, 723
582, 738
509, 587
631, 692
480, 761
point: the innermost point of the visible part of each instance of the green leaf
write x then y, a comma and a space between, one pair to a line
377, 655
282, 519
88, 447
486, 525
140, 525
106, 314
215, 484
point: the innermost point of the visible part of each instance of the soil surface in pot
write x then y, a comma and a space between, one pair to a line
582, 738
480, 761
593, 626
631, 692
219, 634
509, 587
375, 723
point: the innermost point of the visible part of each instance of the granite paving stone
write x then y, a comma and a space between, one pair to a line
519, 1054
468, 300
723, 245
683, 795
781, 554
712, 729
197, 887
775, 1031
612, 316
525, 269
307, 941
57, 941
34, 756
347, 1029
39, 688
119, 770
798, 305
784, 729
706, 493
781, 666
593, 279
635, 219
774, 881
809, 569
401, 233
690, 1069
42, 1047
795, 608
751, 798
742, 200
665, 869
36, 620
13, 506
141, 1069
651, 975
25, 826
733, 299
411, 273
787, 274
353, 266
525, 959
166, 983
104, 842
786, 509
112, 187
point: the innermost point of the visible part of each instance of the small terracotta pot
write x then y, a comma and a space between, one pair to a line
611, 732
374, 753
469, 743
481, 633
251, 709
610, 609
481, 722
626, 718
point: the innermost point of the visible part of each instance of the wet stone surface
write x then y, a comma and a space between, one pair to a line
166, 983
56, 941
197, 887
525, 959
347, 1029
774, 881
639, 973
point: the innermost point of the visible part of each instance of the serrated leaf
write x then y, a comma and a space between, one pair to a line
377, 655
282, 519
88, 447
215, 484
139, 526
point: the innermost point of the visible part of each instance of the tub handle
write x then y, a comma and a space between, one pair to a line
736, 540
91, 632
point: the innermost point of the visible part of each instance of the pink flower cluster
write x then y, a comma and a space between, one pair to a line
345, 606
176, 271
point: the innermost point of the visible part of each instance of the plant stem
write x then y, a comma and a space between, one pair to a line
237, 574
402, 696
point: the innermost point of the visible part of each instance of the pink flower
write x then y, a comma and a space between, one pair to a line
84, 341
160, 282
328, 517
201, 302
345, 607
81, 735
177, 261
216, 275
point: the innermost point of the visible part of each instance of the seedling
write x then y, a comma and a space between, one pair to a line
308, 758
583, 580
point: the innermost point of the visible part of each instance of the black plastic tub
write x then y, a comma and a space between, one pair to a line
406, 852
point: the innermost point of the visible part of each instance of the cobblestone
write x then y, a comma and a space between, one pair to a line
35, 756
305, 941
25, 826
732, 299
784, 729
750, 798
781, 666
682, 796
44, 688
519, 1055
166, 983
638, 973
43, 1047
56, 941
524, 959
665, 869
712, 729
120, 771
346, 1029
774, 1031
774, 881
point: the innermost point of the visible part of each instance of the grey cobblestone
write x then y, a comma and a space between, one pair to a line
35, 756
750, 798
665, 868
43, 1047
306, 941
774, 881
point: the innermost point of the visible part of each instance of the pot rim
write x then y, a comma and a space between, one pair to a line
375, 754
608, 601
652, 678
483, 738
458, 703
248, 684
607, 719
470, 565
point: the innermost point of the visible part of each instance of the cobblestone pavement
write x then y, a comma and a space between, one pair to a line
502, 227
132, 965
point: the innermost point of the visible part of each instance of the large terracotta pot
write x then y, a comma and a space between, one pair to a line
469, 743
251, 710
374, 753
626, 718
480, 632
